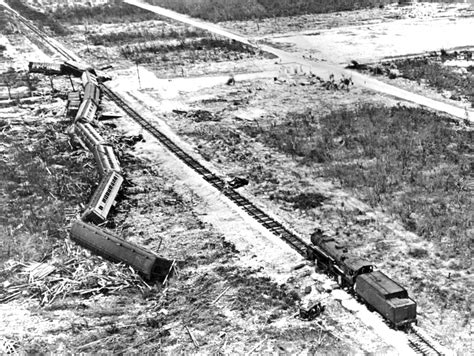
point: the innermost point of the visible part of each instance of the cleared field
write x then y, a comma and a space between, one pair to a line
228, 10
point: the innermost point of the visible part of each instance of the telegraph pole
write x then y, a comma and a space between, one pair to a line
138, 75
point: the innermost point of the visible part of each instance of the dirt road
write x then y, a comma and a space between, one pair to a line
321, 69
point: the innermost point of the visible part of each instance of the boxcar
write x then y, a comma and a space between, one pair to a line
103, 198
106, 160
116, 249
88, 136
87, 111
387, 297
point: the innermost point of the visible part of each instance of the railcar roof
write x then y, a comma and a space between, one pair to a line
383, 284
356, 263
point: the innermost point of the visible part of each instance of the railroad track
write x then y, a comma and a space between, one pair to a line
43, 36
420, 344
259, 215
417, 342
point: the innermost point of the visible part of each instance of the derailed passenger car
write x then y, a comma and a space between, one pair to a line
45, 68
88, 77
86, 112
116, 249
106, 160
88, 136
103, 198
92, 92
387, 297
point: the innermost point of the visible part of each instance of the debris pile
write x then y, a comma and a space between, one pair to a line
76, 272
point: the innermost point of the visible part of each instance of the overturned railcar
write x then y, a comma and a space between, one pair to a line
106, 160
45, 68
103, 198
88, 77
92, 92
87, 111
74, 68
107, 245
88, 136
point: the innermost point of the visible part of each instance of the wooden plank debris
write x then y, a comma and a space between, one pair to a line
220, 296
38, 270
192, 337
257, 346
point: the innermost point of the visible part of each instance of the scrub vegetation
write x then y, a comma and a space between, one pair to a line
409, 161
228, 10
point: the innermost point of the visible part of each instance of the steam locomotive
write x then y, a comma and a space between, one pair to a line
375, 288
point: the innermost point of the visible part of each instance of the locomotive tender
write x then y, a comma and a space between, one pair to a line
375, 288
387, 297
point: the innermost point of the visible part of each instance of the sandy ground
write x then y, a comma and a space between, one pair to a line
315, 23
325, 69
19, 52
372, 43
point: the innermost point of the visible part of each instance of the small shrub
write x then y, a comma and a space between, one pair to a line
124, 37
418, 252
184, 50
302, 201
